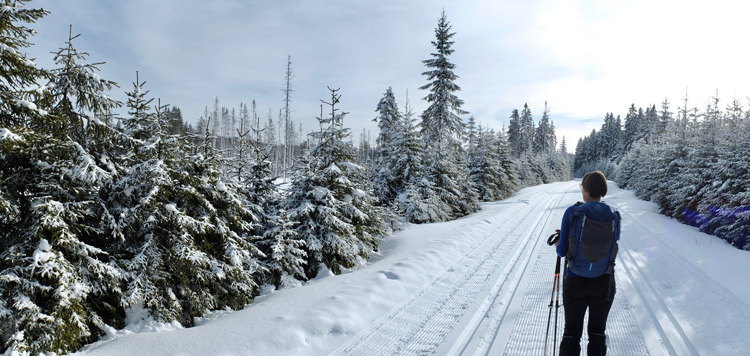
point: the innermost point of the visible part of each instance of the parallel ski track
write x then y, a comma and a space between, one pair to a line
677, 327
421, 324
479, 337
527, 334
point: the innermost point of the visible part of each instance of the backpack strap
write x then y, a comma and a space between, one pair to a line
615, 245
573, 240
617, 220
616, 237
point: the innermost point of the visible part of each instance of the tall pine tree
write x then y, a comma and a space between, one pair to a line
385, 184
416, 199
514, 133
526, 131
443, 129
58, 284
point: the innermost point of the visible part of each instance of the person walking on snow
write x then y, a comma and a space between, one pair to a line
588, 240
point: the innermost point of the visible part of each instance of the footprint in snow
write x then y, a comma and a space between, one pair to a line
390, 275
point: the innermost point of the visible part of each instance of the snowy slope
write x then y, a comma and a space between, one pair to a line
481, 285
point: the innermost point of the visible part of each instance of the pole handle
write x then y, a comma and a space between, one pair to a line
552, 239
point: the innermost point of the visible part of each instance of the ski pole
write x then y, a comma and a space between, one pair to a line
555, 288
557, 303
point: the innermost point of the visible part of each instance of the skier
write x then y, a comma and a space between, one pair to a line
588, 241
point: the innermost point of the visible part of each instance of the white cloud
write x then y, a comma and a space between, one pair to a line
584, 57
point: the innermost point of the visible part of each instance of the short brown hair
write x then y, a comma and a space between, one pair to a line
595, 183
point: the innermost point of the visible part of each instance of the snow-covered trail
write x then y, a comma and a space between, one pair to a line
481, 285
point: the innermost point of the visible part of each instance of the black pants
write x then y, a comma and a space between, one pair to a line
579, 294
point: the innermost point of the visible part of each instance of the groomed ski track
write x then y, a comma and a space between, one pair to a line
494, 299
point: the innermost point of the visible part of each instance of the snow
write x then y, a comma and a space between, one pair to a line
29, 62
9, 9
359, 193
320, 193
466, 286
7, 48
30, 106
42, 254
6, 134
93, 76
45, 88
26, 104
283, 184
172, 208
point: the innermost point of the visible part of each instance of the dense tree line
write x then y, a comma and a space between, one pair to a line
104, 213
445, 168
693, 165
101, 213
534, 148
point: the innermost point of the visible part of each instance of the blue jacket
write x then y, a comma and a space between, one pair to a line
594, 210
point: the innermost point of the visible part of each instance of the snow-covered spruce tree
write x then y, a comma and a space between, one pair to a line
332, 203
284, 254
240, 161
537, 159
140, 127
472, 153
443, 129
269, 140
657, 173
559, 166
416, 200
551, 138
185, 233
589, 155
75, 87
18, 73
651, 125
286, 257
509, 179
526, 131
545, 140
665, 117
611, 133
387, 184
514, 133
699, 171
732, 219
59, 285
578, 158
713, 166
633, 128
671, 189
485, 170
471, 135
420, 204
600, 149
530, 172
258, 180
693, 167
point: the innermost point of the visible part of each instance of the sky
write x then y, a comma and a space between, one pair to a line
584, 58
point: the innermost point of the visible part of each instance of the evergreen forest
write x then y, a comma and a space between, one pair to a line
694, 164
109, 205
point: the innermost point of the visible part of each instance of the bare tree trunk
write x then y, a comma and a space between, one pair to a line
288, 144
